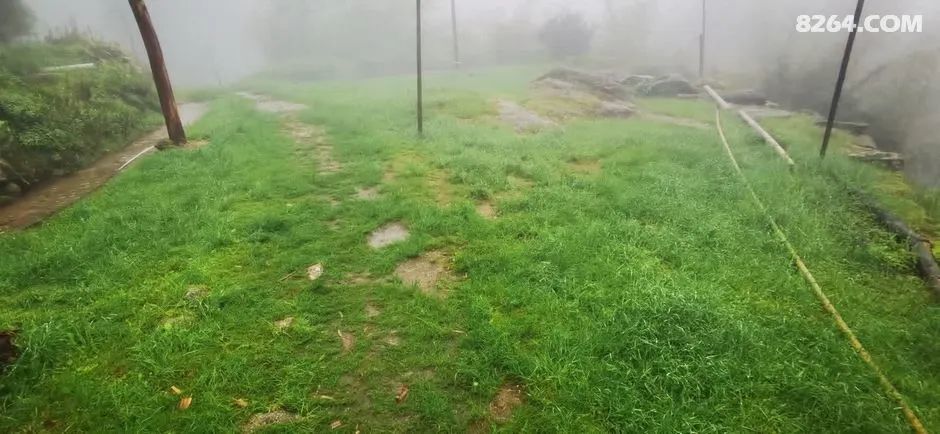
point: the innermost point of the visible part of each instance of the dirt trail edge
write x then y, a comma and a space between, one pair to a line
50, 197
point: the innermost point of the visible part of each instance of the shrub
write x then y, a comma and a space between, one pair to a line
54, 123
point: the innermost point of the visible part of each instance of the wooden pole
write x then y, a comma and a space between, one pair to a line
453, 25
420, 72
174, 126
840, 81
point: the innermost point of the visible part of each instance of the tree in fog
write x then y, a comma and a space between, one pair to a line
567, 35
15, 20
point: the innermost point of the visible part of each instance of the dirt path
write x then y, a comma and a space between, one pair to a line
521, 118
50, 197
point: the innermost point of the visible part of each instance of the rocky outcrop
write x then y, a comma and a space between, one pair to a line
599, 85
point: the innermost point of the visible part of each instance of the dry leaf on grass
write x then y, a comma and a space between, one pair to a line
336, 424
175, 390
402, 394
185, 402
241, 403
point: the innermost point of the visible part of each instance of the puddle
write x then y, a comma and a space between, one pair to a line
520, 118
425, 272
387, 235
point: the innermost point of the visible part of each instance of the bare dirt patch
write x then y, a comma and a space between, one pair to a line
441, 187
263, 420
284, 324
372, 311
426, 272
347, 339
387, 235
486, 210
308, 137
585, 167
368, 194
270, 105
392, 339
523, 120
509, 397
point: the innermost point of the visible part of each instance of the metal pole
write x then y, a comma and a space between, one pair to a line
420, 72
841, 80
701, 44
453, 24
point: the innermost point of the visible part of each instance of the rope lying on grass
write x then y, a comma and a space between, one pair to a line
886, 384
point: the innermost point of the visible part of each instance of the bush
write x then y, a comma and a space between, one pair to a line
55, 123
567, 35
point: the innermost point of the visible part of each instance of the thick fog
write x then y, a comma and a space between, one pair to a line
749, 42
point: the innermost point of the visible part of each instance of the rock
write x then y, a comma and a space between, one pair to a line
668, 86
12, 189
314, 271
745, 97
599, 85
637, 80
856, 128
864, 148
615, 110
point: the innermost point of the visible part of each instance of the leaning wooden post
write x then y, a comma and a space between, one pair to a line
174, 126
420, 73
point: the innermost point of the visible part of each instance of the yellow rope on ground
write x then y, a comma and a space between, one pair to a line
889, 388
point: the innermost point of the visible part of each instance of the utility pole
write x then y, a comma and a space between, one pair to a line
701, 43
840, 81
453, 24
420, 72
174, 126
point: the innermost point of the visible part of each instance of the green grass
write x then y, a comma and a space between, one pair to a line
649, 297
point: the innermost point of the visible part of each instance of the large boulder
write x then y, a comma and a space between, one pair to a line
637, 80
745, 97
668, 86
599, 85
609, 109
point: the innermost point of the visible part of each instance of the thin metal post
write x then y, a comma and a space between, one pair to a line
701, 43
453, 24
843, 70
420, 72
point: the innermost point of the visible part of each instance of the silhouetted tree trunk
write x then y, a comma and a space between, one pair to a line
174, 126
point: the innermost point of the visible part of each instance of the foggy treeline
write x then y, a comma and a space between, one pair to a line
751, 43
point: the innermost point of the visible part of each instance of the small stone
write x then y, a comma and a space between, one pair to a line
285, 323
315, 271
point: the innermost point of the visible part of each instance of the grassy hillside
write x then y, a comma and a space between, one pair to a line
625, 283
52, 123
